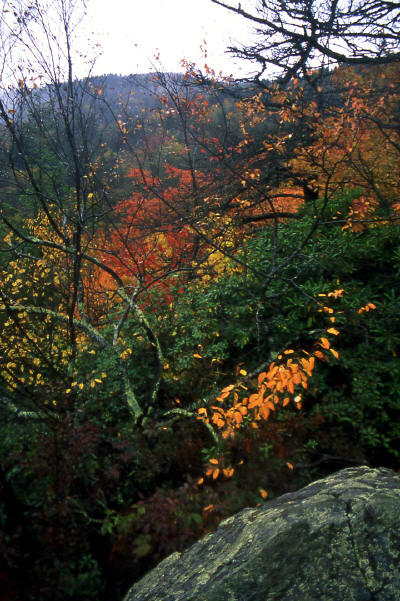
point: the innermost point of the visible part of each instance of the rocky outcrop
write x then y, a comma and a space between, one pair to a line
337, 539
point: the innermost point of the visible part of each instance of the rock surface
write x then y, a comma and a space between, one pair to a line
337, 539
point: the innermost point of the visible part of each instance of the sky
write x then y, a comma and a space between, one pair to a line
132, 32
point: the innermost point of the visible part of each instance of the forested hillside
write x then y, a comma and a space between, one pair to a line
200, 288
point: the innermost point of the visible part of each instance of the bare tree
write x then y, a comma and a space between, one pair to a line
291, 37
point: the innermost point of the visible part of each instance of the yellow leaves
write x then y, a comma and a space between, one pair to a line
254, 174
263, 493
125, 354
334, 353
290, 465
8, 238
197, 356
202, 412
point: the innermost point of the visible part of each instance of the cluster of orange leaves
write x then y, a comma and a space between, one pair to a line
356, 145
361, 210
273, 388
282, 383
366, 308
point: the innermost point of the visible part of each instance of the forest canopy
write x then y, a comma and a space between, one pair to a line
199, 285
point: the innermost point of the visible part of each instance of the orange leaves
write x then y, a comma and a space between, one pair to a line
215, 473
216, 468
356, 146
360, 212
336, 293
333, 331
366, 308
277, 386
308, 365
324, 342
218, 417
273, 387
225, 392
264, 411
282, 383
261, 378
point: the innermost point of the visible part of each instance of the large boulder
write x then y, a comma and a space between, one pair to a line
337, 539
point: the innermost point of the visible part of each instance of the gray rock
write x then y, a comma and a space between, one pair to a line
337, 539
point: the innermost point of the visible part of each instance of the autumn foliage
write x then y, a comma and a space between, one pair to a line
171, 339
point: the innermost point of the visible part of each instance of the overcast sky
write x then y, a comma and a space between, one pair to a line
131, 32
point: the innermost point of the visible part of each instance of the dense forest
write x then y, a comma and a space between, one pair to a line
200, 286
